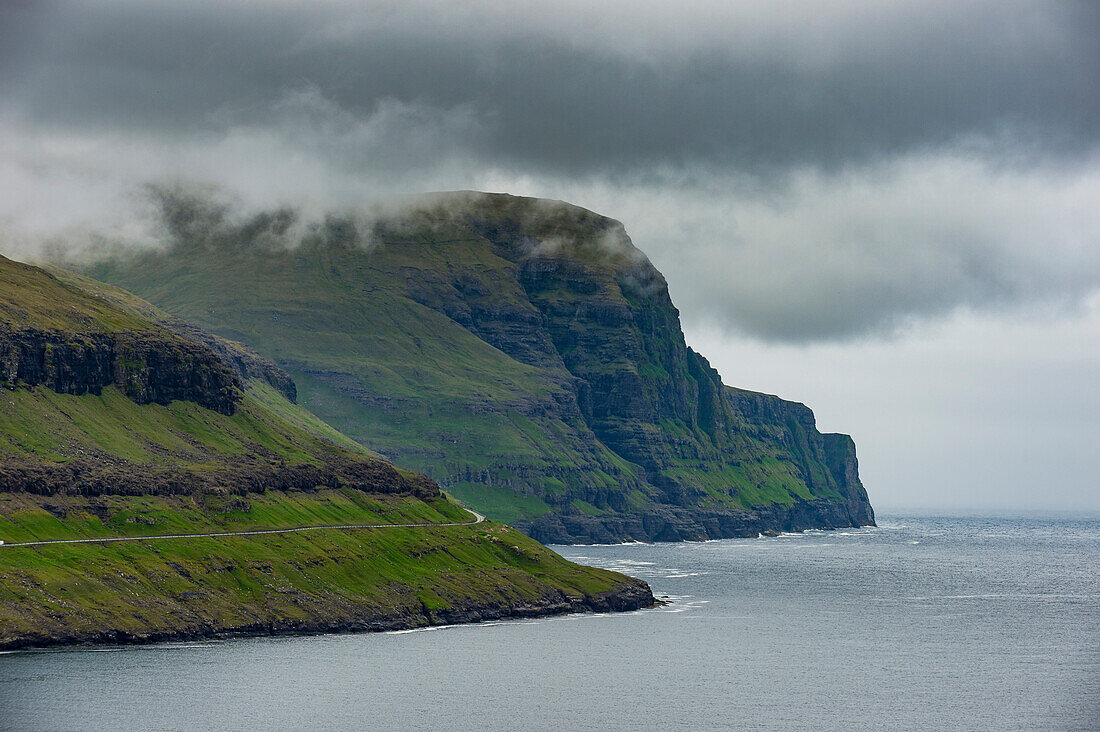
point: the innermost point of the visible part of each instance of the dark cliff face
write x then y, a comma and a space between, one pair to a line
840, 456
527, 356
149, 366
605, 317
91, 477
243, 361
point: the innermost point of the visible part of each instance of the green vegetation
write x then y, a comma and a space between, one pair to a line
501, 502
30, 298
60, 427
25, 517
316, 581
521, 352
83, 458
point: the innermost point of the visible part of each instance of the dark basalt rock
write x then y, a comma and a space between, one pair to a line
153, 366
162, 368
245, 362
840, 456
674, 523
255, 475
65, 363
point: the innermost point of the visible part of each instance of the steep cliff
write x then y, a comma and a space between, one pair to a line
521, 352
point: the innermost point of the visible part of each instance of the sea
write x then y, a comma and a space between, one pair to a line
923, 623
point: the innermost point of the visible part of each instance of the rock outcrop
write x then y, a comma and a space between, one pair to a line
97, 477
242, 360
151, 366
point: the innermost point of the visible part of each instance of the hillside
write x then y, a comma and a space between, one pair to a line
117, 421
103, 399
521, 352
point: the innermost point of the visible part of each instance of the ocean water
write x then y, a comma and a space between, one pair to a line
923, 623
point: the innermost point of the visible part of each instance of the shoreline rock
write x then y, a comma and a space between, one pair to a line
634, 594
674, 524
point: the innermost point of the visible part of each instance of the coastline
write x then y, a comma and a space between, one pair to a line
675, 524
292, 583
632, 595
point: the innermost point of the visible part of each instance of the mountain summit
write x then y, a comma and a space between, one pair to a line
522, 352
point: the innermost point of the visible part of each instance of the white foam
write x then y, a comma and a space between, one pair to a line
422, 630
624, 543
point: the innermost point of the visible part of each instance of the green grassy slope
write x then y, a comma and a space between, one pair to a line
29, 518
29, 299
40, 423
332, 580
521, 352
400, 377
87, 460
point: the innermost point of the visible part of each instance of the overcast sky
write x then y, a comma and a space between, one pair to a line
889, 211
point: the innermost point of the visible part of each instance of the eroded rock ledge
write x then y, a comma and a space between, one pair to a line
123, 478
152, 366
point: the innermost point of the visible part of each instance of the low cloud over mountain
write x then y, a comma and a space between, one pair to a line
800, 173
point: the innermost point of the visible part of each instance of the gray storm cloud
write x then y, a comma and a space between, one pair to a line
617, 88
799, 172
870, 250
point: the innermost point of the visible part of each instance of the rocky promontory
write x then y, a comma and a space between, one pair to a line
366, 616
